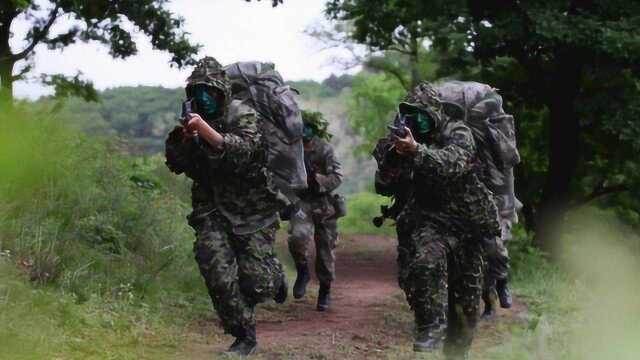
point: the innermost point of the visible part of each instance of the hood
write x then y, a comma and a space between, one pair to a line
209, 71
424, 97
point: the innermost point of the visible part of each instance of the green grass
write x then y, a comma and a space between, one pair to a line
97, 260
362, 207
45, 323
586, 305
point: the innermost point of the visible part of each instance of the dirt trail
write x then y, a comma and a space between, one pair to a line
368, 318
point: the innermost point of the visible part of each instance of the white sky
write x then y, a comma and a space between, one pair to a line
230, 30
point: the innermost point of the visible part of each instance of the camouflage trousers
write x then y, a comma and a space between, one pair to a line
441, 275
239, 271
498, 259
305, 226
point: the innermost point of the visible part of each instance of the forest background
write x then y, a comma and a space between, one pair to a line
94, 244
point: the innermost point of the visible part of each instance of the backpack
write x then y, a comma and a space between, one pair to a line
480, 106
279, 121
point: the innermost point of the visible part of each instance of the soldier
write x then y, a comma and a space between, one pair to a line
235, 207
446, 217
497, 269
315, 214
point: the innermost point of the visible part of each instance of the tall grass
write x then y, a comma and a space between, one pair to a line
101, 236
362, 207
585, 305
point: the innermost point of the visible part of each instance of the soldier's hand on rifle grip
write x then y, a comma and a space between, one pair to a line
406, 145
209, 134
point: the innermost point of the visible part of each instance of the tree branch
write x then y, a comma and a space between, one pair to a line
20, 75
602, 190
38, 35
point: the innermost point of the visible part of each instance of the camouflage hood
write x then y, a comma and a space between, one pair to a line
209, 71
425, 98
317, 120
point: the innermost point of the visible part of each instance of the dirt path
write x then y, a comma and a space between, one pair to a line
368, 318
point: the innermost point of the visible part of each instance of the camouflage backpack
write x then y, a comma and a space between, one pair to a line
279, 121
494, 133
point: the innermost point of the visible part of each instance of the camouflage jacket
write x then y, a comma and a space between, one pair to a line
442, 180
325, 170
235, 181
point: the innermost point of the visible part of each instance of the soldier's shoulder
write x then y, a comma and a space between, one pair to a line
456, 128
322, 146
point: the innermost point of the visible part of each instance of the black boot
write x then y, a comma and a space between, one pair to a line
245, 344
283, 291
300, 286
426, 342
489, 297
504, 294
324, 297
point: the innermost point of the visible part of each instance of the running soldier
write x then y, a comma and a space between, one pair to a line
315, 214
445, 218
235, 206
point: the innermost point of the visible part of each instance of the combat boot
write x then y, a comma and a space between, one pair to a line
324, 297
504, 294
426, 342
489, 297
244, 345
283, 291
300, 286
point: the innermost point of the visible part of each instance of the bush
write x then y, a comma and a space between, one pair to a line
362, 207
78, 213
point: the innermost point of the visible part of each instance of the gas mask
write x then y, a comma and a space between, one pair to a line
207, 105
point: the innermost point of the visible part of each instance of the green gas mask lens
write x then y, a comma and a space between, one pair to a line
420, 122
207, 104
308, 132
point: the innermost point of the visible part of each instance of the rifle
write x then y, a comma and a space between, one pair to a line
392, 159
398, 126
188, 109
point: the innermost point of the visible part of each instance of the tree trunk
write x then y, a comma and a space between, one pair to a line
6, 82
7, 14
563, 148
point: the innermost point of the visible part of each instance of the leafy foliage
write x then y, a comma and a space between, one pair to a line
79, 214
372, 103
110, 23
567, 70
362, 207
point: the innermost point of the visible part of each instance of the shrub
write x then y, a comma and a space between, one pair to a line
79, 213
362, 207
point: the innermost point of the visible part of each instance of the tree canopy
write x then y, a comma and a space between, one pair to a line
567, 69
110, 23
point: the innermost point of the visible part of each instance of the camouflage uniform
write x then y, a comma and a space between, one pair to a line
448, 218
315, 215
234, 209
501, 183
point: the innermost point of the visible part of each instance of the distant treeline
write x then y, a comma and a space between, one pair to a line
143, 115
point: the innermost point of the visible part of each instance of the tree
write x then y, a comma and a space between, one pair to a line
568, 70
371, 106
108, 22
374, 24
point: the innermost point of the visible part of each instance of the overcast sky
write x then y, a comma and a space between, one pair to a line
230, 30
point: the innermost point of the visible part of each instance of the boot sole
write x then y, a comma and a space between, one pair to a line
423, 349
506, 306
235, 353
